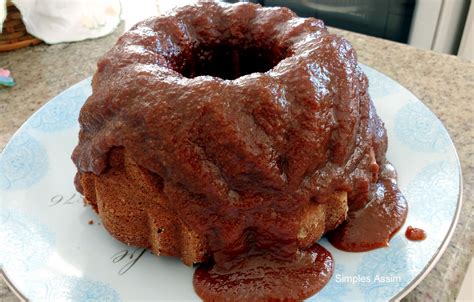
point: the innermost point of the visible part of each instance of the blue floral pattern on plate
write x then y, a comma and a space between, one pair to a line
433, 188
419, 129
387, 269
62, 111
379, 84
83, 268
71, 288
26, 243
26, 246
23, 162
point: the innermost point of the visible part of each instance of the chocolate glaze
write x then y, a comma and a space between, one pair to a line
415, 234
373, 225
245, 114
261, 277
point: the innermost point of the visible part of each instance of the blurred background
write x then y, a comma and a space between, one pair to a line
444, 26
440, 25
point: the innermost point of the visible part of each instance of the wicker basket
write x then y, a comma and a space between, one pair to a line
14, 34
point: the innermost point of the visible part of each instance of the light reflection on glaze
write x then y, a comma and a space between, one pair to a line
247, 110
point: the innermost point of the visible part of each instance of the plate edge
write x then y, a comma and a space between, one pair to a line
444, 245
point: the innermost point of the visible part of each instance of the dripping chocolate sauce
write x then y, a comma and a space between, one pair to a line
255, 276
262, 277
375, 224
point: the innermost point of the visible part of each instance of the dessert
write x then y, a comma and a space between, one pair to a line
235, 136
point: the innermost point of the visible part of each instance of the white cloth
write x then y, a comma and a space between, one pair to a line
56, 21
3, 13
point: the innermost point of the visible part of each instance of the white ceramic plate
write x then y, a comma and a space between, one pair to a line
49, 252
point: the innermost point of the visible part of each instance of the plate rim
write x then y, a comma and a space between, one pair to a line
11, 286
402, 293
452, 227
442, 248
3, 273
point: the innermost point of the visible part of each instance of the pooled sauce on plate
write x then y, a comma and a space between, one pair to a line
261, 277
415, 234
372, 226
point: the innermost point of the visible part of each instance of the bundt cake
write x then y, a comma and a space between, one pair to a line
222, 128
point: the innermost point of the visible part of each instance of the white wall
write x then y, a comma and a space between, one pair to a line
466, 49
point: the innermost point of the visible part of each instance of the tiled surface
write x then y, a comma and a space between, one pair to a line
444, 83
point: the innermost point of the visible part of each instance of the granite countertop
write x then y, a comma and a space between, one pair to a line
444, 83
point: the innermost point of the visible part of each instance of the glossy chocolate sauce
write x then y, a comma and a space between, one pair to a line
373, 225
415, 234
262, 277
258, 129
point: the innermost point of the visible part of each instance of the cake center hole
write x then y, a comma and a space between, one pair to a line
231, 61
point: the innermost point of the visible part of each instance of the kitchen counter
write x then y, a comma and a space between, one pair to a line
444, 83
